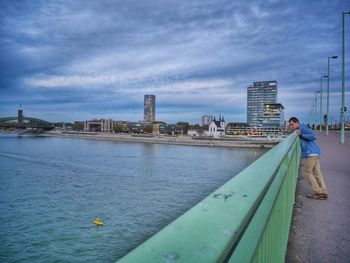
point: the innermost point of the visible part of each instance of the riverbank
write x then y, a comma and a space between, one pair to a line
177, 140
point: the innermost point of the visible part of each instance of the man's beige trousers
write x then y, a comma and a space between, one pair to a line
313, 175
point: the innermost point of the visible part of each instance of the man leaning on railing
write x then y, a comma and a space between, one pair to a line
311, 152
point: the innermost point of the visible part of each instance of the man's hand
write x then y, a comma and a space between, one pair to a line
298, 132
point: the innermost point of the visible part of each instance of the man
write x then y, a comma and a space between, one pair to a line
311, 153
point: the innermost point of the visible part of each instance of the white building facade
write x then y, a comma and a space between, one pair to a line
217, 128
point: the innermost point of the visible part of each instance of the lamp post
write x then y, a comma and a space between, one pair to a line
314, 105
310, 115
333, 57
319, 121
321, 103
342, 113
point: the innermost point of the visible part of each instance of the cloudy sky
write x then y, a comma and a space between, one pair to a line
67, 60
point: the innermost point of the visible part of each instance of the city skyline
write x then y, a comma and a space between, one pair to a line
75, 60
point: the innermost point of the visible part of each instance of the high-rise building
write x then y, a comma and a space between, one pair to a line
149, 108
20, 115
273, 116
258, 94
207, 119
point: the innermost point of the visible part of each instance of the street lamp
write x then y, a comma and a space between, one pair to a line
343, 109
316, 110
328, 93
311, 114
321, 95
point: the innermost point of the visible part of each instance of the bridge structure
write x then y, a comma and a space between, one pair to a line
245, 220
25, 123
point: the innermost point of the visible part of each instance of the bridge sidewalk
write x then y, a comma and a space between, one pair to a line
320, 230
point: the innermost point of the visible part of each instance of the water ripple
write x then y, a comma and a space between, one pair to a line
51, 189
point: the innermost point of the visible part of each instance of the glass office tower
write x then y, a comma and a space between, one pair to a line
258, 94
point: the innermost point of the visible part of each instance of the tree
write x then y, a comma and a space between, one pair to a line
78, 126
118, 128
199, 128
148, 129
184, 125
195, 127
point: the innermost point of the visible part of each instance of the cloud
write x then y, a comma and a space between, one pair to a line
100, 57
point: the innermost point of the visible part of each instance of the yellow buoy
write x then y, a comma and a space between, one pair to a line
98, 222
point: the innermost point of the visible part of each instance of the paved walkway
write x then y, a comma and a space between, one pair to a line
320, 230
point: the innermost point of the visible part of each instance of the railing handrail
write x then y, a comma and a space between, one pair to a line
212, 229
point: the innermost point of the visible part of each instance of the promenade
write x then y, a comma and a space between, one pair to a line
243, 142
320, 229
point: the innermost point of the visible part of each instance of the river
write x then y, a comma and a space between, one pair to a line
51, 190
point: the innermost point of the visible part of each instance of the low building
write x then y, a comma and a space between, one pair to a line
102, 125
217, 128
192, 133
237, 128
273, 117
170, 129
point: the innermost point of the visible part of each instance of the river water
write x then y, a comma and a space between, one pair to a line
51, 190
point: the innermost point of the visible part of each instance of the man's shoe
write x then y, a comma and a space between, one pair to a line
315, 196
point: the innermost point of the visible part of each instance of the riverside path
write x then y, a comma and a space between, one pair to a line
320, 229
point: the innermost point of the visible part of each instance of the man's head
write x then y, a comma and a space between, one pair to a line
294, 123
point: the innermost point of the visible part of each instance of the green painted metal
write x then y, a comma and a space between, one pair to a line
265, 239
245, 220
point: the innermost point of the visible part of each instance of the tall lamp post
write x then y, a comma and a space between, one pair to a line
317, 121
321, 95
314, 105
343, 109
310, 115
328, 93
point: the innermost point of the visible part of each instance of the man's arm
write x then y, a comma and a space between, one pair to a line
306, 133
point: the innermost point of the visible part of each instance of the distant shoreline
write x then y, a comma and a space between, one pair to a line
175, 140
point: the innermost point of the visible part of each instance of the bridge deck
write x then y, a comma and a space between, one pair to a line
320, 230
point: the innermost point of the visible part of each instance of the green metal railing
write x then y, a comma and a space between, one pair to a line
245, 220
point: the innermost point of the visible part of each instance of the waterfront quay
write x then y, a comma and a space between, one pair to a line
320, 229
232, 141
